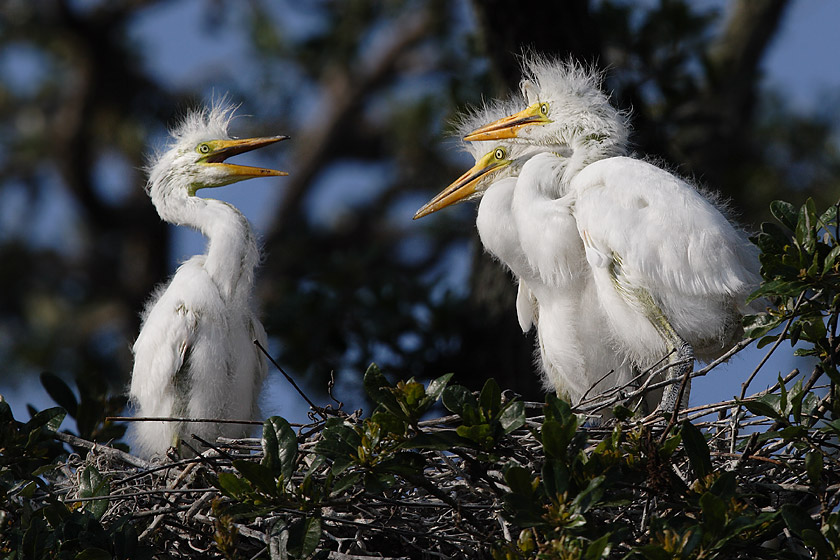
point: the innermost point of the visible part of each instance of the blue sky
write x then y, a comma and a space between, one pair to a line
801, 63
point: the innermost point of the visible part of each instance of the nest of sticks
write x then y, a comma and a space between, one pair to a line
178, 509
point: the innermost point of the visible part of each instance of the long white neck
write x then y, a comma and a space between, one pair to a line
232, 253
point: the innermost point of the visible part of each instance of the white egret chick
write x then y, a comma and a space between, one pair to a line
195, 355
671, 272
573, 362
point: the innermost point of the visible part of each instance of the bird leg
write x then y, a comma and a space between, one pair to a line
681, 360
680, 352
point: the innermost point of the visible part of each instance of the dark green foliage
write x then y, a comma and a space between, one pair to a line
34, 524
802, 275
96, 403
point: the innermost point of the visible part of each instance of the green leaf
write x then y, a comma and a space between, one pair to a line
797, 519
814, 466
554, 439
379, 482
490, 398
519, 480
696, 449
806, 233
725, 486
60, 392
258, 475
49, 419
714, 513
785, 212
655, 552
791, 433
413, 392
93, 485
829, 217
378, 388
482, 434
555, 477
304, 536
233, 486
512, 417
338, 441
590, 495
756, 326
344, 483
454, 397
772, 238
761, 408
389, 423
93, 553
831, 259
557, 409
436, 386
670, 445
599, 548
279, 444
471, 414
801, 525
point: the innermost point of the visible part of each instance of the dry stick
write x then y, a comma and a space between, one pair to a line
104, 449
776, 344
142, 493
177, 419
766, 357
378, 527
159, 519
731, 352
318, 409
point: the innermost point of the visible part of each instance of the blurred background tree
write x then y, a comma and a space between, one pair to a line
366, 89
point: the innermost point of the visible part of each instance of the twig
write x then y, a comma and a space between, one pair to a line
103, 449
177, 419
318, 409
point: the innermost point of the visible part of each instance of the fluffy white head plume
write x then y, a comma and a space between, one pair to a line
580, 110
197, 125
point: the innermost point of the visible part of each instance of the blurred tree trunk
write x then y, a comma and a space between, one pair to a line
715, 126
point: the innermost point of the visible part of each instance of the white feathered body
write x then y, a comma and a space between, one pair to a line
556, 293
195, 356
577, 356
671, 242
623, 226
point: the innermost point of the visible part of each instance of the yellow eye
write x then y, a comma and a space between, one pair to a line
204, 148
544, 109
500, 153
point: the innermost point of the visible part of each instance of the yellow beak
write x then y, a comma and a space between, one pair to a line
465, 185
220, 150
508, 127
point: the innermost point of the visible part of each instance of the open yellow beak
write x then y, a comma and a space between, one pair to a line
465, 185
508, 127
220, 150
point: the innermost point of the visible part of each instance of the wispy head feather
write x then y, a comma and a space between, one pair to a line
578, 103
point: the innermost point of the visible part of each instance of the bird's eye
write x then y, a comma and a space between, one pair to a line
204, 148
544, 109
500, 153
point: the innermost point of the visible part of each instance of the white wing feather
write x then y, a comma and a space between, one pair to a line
668, 236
